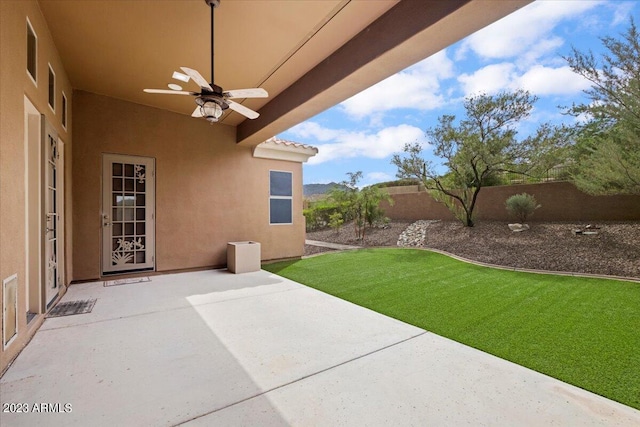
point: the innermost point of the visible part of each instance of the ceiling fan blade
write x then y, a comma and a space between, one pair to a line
247, 112
171, 92
246, 93
197, 77
197, 112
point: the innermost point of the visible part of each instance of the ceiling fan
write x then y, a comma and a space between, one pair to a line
212, 100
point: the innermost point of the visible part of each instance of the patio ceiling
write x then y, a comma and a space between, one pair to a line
309, 55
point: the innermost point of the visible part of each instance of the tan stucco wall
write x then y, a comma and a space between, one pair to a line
209, 190
14, 85
560, 201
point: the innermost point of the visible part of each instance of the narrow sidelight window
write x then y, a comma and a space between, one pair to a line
64, 110
280, 197
52, 89
32, 52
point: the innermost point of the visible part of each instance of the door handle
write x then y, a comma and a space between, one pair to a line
105, 220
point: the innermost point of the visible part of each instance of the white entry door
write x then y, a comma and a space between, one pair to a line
51, 215
128, 216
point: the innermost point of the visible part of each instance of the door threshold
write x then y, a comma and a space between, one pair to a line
30, 316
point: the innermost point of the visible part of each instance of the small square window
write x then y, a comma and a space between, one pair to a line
32, 52
52, 89
280, 183
64, 110
280, 211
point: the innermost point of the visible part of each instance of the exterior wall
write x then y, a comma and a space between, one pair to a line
15, 84
209, 190
561, 201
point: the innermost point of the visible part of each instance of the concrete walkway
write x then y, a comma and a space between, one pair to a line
331, 245
215, 349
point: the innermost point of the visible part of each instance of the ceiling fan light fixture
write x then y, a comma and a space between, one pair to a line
174, 86
179, 76
210, 110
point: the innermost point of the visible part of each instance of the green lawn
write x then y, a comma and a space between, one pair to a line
582, 331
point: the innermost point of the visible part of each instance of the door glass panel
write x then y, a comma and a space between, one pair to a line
128, 214
128, 170
129, 184
117, 184
117, 229
117, 169
128, 228
117, 214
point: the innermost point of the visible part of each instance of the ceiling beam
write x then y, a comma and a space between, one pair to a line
408, 32
397, 25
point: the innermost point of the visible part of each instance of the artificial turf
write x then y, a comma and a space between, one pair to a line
584, 331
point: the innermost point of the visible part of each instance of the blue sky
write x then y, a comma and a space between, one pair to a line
523, 50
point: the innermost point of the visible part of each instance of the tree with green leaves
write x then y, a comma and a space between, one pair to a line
477, 148
360, 205
607, 145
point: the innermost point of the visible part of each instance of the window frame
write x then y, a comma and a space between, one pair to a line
280, 197
64, 112
51, 93
34, 78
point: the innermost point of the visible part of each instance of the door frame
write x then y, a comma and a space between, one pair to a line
36, 128
106, 268
50, 294
33, 147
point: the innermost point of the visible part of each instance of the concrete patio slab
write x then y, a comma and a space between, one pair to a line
426, 381
169, 350
214, 348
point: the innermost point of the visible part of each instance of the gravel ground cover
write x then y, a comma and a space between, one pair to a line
550, 246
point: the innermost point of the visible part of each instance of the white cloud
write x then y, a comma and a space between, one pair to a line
525, 32
490, 79
314, 130
416, 87
539, 80
350, 144
622, 12
376, 177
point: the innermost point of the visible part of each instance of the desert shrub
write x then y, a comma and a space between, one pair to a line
398, 183
336, 221
521, 206
318, 214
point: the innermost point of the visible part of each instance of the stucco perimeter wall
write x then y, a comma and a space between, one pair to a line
561, 201
209, 190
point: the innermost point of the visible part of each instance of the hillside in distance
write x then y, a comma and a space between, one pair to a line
314, 189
